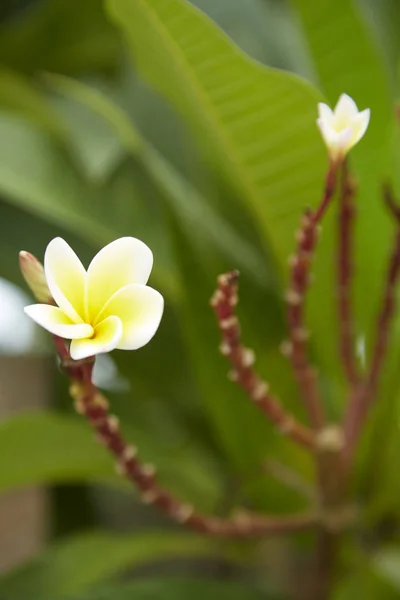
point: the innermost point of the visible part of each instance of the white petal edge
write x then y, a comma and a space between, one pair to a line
57, 322
325, 112
360, 125
106, 337
345, 109
121, 263
65, 276
328, 134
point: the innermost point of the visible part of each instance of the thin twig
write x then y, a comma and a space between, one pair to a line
325, 564
344, 275
223, 302
366, 392
90, 403
297, 348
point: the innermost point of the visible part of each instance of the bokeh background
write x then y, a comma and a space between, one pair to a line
139, 117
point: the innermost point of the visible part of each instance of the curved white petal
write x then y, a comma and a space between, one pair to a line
328, 134
345, 111
360, 125
124, 261
140, 309
105, 338
57, 322
342, 143
65, 276
325, 113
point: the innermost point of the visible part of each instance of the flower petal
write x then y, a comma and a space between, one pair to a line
342, 143
360, 125
105, 338
124, 261
140, 309
345, 111
325, 113
57, 322
328, 134
65, 277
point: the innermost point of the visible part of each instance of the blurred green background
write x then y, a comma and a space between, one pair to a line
190, 125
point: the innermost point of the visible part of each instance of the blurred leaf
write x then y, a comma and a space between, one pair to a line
178, 589
257, 122
95, 148
364, 584
38, 176
384, 20
60, 35
185, 200
45, 447
386, 564
19, 95
262, 28
73, 565
350, 66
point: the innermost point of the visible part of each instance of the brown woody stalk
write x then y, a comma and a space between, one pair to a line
223, 302
365, 394
300, 263
90, 403
344, 274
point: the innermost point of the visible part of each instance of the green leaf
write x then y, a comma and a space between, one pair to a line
183, 198
386, 564
384, 20
38, 176
178, 589
19, 95
42, 447
75, 564
258, 123
60, 35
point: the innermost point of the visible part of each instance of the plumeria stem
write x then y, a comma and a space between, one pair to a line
366, 392
223, 302
300, 263
90, 403
344, 274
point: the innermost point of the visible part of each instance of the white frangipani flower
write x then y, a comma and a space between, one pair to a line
106, 307
343, 127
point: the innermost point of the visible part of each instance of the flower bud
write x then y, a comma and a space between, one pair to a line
343, 127
33, 273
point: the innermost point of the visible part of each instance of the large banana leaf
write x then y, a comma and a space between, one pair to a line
257, 123
185, 200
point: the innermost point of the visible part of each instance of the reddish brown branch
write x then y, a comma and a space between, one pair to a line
365, 394
90, 403
300, 263
327, 546
344, 275
223, 302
